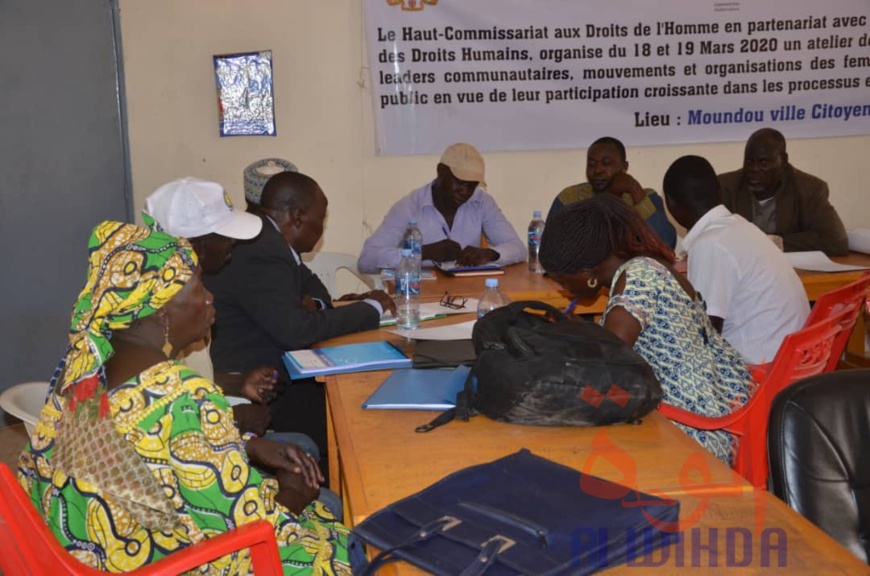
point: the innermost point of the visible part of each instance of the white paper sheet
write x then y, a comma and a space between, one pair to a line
432, 310
437, 308
859, 240
818, 262
461, 331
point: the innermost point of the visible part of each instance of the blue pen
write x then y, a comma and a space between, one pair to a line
570, 308
446, 232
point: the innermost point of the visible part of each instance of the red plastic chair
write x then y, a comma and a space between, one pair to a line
803, 353
834, 301
27, 545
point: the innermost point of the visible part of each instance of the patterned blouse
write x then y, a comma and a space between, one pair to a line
182, 427
698, 370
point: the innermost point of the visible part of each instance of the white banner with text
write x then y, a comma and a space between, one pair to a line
548, 74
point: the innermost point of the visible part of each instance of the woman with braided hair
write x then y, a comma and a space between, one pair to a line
601, 243
135, 455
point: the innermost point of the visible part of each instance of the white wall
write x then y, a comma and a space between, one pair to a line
324, 118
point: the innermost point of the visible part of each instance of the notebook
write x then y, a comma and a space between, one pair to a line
413, 389
453, 269
341, 359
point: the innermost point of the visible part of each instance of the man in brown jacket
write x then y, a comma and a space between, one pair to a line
782, 200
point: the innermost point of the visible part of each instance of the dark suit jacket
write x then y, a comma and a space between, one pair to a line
258, 298
804, 217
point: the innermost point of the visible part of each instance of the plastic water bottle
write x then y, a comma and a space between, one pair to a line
491, 298
536, 228
413, 240
407, 291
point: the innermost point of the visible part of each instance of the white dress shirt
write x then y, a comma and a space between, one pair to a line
746, 280
479, 214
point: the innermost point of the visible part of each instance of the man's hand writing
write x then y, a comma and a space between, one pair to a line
472, 256
441, 251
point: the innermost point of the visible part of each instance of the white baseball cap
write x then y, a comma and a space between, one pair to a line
190, 207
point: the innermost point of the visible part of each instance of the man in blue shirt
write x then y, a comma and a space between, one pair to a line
607, 171
452, 212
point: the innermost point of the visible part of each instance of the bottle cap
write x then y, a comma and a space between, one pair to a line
406, 252
491, 282
536, 214
412, 222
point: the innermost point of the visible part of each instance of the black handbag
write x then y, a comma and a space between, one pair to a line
537, 367
519, 515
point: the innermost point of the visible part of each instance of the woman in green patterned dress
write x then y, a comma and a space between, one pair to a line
135, 455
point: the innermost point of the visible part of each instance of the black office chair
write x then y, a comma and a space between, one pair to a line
819, 450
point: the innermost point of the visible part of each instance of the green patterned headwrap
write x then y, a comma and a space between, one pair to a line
132, 273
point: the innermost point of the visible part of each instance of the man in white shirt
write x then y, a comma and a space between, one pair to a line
753, 295
452, 212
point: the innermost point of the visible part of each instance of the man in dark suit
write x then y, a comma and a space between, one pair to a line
268, 301
782, 200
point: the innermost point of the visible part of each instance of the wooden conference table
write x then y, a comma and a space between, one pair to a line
817, 283
376, 458
519, 284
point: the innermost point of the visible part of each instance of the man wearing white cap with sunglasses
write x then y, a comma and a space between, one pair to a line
452, 212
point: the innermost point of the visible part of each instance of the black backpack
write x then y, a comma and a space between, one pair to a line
537, 367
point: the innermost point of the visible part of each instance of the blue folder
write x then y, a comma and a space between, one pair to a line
424, 389
379, 355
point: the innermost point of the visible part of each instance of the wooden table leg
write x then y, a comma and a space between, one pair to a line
332, 451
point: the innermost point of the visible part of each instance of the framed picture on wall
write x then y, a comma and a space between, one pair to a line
246, 104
